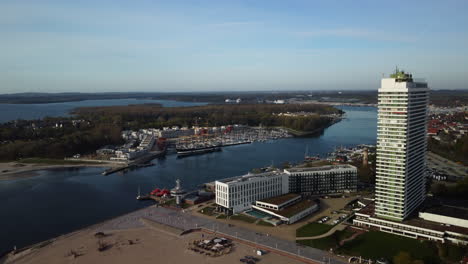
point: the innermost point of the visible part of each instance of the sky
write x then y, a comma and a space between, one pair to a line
171, 46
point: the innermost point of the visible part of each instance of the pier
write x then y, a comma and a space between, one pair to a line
143, 161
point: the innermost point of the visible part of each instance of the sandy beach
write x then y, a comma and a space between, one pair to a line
152, 243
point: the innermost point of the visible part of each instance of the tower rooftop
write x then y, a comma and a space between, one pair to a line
401, 76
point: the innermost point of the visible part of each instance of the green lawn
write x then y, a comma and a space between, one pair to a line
264, 223
453, 253
376, 244
312, 229
221, 216
244, 218
327, 242
207, 210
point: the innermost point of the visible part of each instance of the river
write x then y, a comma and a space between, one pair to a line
60, 201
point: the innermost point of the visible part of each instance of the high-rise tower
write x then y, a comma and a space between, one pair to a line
401, 146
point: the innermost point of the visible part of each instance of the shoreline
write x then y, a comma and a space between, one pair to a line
15, 170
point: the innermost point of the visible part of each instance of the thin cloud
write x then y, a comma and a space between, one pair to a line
356, 33
235, 23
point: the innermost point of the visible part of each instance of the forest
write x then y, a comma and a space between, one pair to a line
58, 144
155, 116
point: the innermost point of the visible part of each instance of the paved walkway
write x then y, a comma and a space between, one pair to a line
341, 226
185, 221
329, 233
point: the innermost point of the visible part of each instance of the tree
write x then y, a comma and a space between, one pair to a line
402, 258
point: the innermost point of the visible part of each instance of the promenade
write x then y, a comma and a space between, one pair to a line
184, 221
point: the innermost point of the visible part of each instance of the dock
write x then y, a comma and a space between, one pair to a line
143, 161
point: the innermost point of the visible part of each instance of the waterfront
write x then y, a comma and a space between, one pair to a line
10, 112
60, 201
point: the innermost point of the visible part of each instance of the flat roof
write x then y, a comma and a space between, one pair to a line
250, 176
280, 199
415, 221
295, 209
321, 168
451, 211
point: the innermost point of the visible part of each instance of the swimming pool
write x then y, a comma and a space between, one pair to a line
257, 214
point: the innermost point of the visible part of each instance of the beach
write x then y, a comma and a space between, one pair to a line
149, 242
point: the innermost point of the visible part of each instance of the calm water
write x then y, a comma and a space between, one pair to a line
57, 202
9, 112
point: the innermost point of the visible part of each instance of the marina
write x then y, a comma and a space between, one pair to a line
230, 136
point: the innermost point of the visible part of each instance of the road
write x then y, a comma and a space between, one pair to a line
445, 165
184, 221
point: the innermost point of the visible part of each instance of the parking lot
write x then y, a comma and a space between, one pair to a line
446, 167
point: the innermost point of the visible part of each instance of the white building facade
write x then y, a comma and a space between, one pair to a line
238, 194
401, 146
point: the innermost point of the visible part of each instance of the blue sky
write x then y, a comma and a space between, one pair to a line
112, 46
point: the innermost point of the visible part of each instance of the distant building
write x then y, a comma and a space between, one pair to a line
327, 179
175, 132
198, 197
237, 194
232, 101
147, 142
106, 150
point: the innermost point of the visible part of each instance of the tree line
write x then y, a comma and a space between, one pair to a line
147, 116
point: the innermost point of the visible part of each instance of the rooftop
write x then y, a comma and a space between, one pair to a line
321, 168
416, 222
295, 209
401, 76
451, 211
250, 176
280, 199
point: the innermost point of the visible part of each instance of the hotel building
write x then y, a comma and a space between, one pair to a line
401, 146
234, 195
322, 180
400, 176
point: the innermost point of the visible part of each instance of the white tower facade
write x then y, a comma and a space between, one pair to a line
401, 146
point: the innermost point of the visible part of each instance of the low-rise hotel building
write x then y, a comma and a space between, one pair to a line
289, 208
327, 179
234, 195
441, 224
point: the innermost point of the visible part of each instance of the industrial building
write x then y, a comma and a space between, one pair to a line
322, 180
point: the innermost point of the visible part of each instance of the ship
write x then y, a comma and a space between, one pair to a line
310, 158
197, 150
